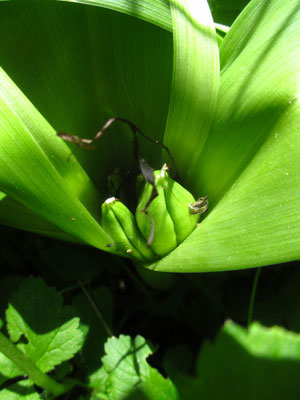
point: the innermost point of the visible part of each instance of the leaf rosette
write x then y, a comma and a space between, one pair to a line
227, 109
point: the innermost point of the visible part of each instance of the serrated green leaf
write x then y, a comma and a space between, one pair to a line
7, 285
97, 382
51, 330
8, 369
261, 363
22, 390
129, 374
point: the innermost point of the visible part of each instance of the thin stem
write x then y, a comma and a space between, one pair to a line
253, 293
71, 288
88, 143
11, 351
96, 309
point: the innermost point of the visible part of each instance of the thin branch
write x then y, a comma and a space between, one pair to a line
253, 293
87, 143
96, 309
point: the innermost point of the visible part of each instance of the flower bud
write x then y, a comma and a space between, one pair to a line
169, 212
121, 226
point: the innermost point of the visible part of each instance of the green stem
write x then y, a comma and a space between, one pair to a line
96, 309
11, 351
253, 293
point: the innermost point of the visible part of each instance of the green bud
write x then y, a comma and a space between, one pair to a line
170, 212
164, 239
120, 223
178, 201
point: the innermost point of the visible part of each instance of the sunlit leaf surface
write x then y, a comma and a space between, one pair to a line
249, 166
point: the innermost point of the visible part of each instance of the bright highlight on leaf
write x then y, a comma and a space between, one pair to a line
127, 373
230, 132
261, 362
23, 390
51, 332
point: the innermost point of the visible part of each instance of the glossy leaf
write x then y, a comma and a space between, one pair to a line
35, 171
249, 166
15, 214
195, 83
154, 11
157, 11
252, 181
75, 59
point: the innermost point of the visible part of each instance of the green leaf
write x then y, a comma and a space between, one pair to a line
261, 363
51, 330
129, 374
225, 11
252, 218
249, 166
15, 214
259, 81
87, 79
7, 285
97, 381
34, 169
195, 83
22, 390
89, 65
155, 11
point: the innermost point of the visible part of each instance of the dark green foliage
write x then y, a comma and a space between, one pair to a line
54, 322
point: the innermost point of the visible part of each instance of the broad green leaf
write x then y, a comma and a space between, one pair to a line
22, 390
34, 169
129, 374
259, 80
249, 166
225, 11
90, 63
86, 74
261, 363
51, 330
195, 83
155, 11
13, 213
249, 102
